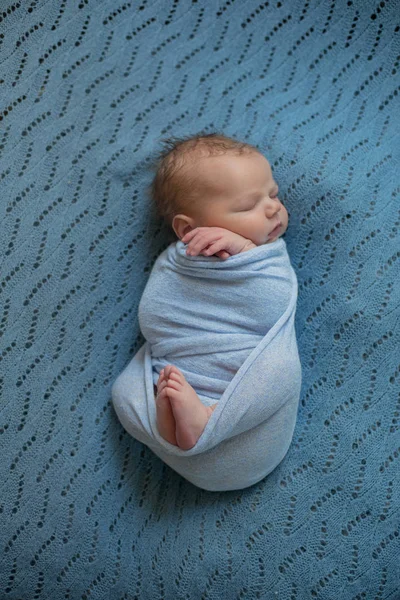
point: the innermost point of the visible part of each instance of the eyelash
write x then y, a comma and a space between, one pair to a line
251, 207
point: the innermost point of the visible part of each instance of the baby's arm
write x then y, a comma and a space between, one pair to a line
215, 240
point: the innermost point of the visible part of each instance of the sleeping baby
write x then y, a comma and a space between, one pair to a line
214, 390
221, 199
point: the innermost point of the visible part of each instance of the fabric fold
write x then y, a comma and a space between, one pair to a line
229, 327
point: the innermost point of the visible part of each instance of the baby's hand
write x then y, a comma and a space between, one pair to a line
214, 240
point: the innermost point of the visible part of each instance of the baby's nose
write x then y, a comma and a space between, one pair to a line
273, 207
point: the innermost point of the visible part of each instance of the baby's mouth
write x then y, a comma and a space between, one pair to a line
275, 231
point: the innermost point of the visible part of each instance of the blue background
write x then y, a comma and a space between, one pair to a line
88, 90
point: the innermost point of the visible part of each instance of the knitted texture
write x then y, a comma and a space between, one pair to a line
88, 89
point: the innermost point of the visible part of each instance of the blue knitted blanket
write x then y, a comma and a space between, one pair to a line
88, 89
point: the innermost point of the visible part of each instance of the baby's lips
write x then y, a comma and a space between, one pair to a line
275, 231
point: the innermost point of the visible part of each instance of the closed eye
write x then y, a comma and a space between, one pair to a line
274, 195
246, 208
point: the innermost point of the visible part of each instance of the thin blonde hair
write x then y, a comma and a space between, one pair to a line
173, 188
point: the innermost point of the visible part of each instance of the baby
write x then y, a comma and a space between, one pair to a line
220, 198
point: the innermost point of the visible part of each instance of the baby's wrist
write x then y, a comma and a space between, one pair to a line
248, 246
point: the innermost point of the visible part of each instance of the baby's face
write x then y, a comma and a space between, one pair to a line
239, 193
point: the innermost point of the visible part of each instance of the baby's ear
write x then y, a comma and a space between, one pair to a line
182, 224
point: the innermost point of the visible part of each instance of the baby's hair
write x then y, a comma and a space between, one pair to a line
172, 190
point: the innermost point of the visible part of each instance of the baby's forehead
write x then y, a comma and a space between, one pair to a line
200, 156
229, 173
230, 163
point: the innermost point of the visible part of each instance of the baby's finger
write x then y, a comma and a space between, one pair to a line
201, 241
193, 239
188, 236
214, 248
223, 254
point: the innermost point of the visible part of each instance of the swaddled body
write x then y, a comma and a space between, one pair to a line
190, 309
205, 315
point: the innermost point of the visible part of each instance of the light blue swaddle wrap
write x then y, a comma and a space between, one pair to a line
228, 325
